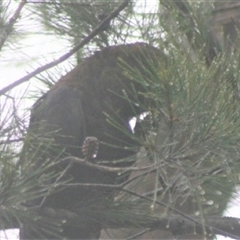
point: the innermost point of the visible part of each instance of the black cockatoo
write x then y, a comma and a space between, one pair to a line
97, 98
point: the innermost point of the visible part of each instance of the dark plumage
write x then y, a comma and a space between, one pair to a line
84, 103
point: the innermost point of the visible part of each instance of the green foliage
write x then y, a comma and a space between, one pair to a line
194, 126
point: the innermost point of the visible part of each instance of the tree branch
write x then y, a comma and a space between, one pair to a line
184, 10
225, 226
9, 26
106, 168
70, 53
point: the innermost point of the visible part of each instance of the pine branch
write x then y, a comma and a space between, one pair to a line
189, 222
8, 28
64, 57
106, 168
225, 226
185, 13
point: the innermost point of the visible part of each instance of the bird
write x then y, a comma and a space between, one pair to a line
97, 98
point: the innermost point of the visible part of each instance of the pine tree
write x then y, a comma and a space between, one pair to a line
186, 170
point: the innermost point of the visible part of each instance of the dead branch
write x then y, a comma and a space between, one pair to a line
106, 168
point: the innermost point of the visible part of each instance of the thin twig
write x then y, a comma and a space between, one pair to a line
156, 183
138, 176
9, 26
9, 141
106, 168
139, 234
70, 53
